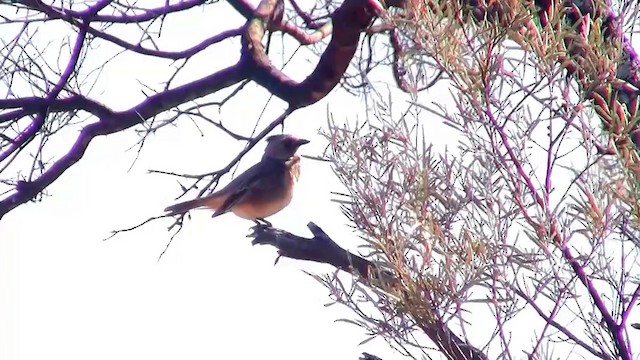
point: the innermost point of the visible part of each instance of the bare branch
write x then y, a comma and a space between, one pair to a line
118, 121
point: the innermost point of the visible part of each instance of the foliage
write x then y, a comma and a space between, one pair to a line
525, 237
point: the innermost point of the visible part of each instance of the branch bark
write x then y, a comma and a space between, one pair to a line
348, 22
322, 249
111, 122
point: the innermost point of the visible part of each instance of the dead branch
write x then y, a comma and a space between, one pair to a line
322, 249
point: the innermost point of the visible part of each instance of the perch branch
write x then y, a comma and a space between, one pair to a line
322, 249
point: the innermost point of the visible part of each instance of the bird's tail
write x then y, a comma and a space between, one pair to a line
182, 207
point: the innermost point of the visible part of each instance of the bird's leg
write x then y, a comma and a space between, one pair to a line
263, 222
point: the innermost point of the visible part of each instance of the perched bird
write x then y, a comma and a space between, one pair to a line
260, 191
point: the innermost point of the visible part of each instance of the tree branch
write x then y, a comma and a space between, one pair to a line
111, 122
348, 21
55, 12
173, 55
549, 320
322, 249
30, 132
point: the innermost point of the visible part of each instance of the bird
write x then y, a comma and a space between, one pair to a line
262, 190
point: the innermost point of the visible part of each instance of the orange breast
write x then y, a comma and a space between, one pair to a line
251, 211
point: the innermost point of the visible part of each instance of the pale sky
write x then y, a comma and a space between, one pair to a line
67, 294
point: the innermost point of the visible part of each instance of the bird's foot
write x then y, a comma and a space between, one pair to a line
262, 222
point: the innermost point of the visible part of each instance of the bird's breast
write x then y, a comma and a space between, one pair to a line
275, 194
261, 209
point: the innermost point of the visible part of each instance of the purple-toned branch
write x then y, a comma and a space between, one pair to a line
111, 122
614, 328
55, 12
308, 20
286, 27
550, 321
173, 55
36, 125
303, 37
31, 105
74, 18
349, 21
632, 302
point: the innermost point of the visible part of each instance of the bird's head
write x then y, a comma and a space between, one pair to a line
283, 147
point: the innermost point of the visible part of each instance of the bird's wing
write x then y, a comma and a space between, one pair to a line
239, 187
223, 199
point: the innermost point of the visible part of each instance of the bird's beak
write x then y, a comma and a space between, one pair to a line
301, 142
